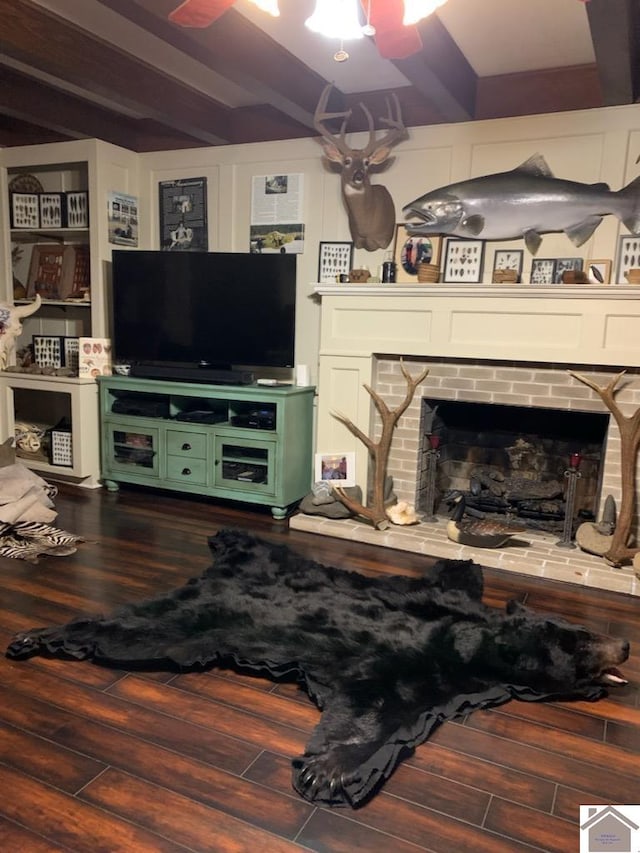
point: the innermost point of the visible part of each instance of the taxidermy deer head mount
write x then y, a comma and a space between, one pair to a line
371, 211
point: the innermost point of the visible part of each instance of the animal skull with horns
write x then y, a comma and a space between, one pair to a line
11, 317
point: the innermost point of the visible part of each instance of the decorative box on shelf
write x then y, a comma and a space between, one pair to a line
94, 357
48, 350
25, 210
77, 206
62, 444
56, 351
52, 210
58, 271
42, 210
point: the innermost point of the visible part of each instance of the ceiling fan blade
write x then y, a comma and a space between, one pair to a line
199, 13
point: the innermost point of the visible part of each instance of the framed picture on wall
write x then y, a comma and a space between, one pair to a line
334, 259
409, 251
463, 261
543, 270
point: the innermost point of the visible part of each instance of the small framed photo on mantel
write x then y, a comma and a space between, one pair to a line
507, 265
543, 270
566, 265
463, 261
599, 270
410, 251
628, 258
334, 261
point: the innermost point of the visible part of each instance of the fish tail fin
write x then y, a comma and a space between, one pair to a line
632, 193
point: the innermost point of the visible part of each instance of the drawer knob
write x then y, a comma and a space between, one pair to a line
186, 446
186, 472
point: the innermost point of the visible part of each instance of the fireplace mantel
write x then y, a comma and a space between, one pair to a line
577, 325
517, 291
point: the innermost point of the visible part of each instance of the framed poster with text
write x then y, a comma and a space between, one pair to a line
183, 215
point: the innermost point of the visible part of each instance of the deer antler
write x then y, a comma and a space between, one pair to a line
396, 133
321, 116
619, 552
379, 451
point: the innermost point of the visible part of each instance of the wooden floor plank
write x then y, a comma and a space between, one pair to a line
258, 730
14, 838
81, 827
552, 740
529, 826
176, 817
282, 814
64, 768
104, 760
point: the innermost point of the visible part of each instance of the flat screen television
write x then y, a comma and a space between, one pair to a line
219, 310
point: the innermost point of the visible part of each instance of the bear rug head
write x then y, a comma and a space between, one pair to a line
386, 658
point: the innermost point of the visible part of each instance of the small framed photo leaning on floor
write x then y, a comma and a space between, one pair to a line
338, 469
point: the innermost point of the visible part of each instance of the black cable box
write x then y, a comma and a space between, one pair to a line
201, 416
207, 375
142, 405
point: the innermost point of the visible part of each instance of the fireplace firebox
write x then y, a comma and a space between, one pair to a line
511, 460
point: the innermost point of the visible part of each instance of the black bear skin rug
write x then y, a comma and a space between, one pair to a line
386, 658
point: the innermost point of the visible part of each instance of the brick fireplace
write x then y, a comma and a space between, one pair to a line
503, 345
517, 387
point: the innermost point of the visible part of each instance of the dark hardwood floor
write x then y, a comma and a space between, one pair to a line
93, 759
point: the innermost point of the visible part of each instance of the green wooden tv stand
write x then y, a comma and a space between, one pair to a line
246, 443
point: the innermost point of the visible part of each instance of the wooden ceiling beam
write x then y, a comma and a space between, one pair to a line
32, 101
36, 37
14, 131
441, 73
240, 52
615, 34
535, 92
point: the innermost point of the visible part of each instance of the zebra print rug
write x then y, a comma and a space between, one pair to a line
28, 540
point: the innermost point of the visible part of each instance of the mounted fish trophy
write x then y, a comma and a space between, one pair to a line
525, 202
372, 215
11, 317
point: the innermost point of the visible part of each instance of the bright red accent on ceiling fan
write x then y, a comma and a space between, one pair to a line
393, 39
199, 13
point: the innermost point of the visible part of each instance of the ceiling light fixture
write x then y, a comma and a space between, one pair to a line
270, 6
336, 19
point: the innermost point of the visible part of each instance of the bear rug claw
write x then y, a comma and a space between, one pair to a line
386, 658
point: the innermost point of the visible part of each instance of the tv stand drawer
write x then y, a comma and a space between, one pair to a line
191, 471
187, 444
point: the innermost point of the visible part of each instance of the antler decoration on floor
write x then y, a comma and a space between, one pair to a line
379, 451
615, 548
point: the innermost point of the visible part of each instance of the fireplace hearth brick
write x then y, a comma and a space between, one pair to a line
539, 558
